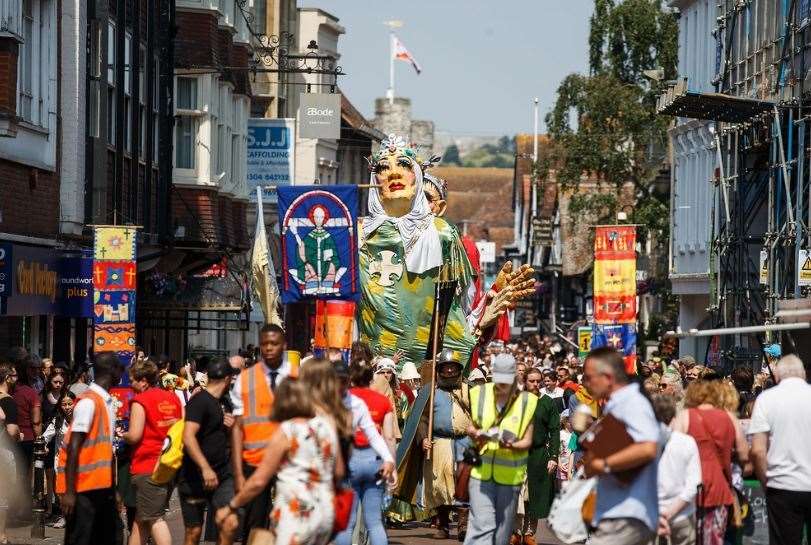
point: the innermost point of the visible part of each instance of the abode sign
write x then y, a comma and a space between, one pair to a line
320, 115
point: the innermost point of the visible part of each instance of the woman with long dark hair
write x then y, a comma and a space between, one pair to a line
54, 436
52, 394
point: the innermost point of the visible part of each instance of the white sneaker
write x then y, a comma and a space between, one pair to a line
60, 523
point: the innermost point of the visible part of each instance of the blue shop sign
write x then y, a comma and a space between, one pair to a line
39, 280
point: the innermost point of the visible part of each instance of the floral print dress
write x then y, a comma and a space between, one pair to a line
303, 509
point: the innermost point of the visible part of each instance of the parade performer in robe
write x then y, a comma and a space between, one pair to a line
446, 443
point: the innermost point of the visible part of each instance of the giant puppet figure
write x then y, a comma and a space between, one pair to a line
404, 250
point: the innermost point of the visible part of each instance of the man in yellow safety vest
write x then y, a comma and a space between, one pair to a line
502, 429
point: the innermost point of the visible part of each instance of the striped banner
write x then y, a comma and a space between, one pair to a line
114, 289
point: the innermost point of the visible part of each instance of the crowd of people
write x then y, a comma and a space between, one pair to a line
317, 450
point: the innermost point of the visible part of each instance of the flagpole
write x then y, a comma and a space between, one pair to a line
390, 92
392, 25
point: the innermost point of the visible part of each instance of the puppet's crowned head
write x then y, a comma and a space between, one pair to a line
396, 166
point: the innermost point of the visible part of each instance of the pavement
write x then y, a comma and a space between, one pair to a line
410, 534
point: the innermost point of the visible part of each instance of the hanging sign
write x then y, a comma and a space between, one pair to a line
764, 267
271, 150
319, 115
615, 274
804, 269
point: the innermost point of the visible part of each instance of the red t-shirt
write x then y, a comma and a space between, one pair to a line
162, 409
379, 406
26, 399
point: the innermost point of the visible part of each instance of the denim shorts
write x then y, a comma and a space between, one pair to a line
193, 506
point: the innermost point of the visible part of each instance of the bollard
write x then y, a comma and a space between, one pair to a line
38, 524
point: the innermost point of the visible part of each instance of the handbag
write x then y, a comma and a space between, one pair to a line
344, 497
566, 514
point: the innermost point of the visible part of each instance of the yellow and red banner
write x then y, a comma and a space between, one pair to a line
615, 274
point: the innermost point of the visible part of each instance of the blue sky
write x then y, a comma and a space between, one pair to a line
482, 61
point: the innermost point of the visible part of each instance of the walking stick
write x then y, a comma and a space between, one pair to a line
435, 342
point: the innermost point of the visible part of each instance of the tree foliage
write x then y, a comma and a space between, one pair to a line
604, 125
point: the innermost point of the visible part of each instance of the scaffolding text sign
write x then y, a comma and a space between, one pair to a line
271, 149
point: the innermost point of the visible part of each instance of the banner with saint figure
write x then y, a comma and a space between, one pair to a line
319, 242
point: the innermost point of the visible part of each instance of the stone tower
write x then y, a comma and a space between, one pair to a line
395, 117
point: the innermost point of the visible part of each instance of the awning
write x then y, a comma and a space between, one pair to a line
681, 102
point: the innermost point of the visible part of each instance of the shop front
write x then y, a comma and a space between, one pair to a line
46, 300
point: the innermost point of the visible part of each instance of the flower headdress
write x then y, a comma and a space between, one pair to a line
398, 144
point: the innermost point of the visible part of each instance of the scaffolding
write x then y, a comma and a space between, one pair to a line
760, 214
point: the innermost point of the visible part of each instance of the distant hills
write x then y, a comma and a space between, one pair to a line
476, 151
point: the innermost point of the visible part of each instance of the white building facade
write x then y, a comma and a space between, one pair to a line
694, 159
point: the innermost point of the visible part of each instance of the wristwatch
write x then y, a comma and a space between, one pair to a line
606, 469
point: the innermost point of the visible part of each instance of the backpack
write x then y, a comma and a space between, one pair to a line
171, 457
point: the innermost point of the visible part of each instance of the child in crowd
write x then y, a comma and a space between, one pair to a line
564, 458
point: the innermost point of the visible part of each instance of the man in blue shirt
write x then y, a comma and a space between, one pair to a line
625, 513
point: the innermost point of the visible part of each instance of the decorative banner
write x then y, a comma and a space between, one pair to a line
619, 337
115, 338
583, 341
114, 285
319, 242
112, 243
114, 275
112, 307
615, 275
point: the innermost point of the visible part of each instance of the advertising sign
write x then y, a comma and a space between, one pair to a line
764, 268
5, 268
37, 280
319, 115
76, 280
583, 341
271, 150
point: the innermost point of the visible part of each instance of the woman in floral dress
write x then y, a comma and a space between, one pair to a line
302, 454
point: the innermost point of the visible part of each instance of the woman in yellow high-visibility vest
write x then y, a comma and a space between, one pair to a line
502, 429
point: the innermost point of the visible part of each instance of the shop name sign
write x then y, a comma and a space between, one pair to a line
320, 115
35, 278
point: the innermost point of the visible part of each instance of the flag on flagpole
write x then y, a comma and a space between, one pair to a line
400, 52
262, 271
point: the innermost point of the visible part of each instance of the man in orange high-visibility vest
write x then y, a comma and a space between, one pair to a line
84, 477
252, 399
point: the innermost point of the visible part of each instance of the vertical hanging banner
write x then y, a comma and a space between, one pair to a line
114, 285
763, 274
615, 274
319, 242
